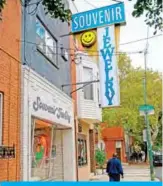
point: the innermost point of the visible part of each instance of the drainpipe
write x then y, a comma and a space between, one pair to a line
76, 140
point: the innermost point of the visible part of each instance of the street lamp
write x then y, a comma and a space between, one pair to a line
149, 146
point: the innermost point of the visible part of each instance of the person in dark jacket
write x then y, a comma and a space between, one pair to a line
114, 168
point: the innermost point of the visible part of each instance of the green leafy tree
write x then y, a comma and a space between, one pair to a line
100, 158
55, 8
153, 11
132, 96
158, 142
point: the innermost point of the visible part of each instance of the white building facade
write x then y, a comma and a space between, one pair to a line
48, 142
89, 113
88, 100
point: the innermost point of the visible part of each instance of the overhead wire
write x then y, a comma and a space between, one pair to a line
75, 5
76, 50
142, 39
90, 4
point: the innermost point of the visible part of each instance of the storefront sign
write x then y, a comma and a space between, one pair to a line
113, 14
118, 144
7, 152
144, 135
110, 95
88, 38
52, 109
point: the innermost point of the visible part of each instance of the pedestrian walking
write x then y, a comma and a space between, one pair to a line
114, 169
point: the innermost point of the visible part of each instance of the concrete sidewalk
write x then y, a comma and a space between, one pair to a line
131, 174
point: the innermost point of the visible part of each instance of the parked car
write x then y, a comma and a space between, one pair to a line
157, 160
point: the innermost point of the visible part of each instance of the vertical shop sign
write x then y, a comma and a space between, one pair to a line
109, 83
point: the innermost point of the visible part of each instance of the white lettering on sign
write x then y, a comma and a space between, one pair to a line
88, 19
107, 15
118, 13
101, 17
112, 14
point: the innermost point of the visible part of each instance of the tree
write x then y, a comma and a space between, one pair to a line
153, 11
55, 8
152, 8
158, 141
100, 158
132, 96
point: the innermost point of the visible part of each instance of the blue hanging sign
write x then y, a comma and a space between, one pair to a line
112, 14
109, 82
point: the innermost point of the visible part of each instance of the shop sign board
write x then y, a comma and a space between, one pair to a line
57, 111
145, 135
149, 109
109, 81
7, 152
51, 104
100, 17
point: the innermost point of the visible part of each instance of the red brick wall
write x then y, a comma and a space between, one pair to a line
110, 135
10, 33
110, 148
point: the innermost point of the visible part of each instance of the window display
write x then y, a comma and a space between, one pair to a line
41, 151
82, 150
47, 153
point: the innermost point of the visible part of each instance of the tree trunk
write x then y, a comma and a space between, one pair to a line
145, 150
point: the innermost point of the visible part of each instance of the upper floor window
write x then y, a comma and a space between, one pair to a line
46, 43
88, 76
98, 90
1, 116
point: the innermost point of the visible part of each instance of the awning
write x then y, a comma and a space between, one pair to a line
90, 122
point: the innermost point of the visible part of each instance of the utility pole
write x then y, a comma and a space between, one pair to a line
149, 145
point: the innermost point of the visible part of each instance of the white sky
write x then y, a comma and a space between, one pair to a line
135, 29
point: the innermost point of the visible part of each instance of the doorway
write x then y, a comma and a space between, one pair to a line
118, 151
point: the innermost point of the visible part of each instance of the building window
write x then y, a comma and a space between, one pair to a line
46, 43
82, 150
1, 116
88, 76
41, 151
47, 155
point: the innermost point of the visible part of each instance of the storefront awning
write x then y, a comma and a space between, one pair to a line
90, 122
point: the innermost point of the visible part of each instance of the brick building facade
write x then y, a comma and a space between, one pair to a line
114, 139
10, 33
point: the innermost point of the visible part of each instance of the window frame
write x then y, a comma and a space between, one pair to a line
90, 85
44, 53
83, 138
1, 116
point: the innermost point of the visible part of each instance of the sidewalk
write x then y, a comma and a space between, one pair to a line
132, 173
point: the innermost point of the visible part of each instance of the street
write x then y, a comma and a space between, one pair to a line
132, 173
158, 172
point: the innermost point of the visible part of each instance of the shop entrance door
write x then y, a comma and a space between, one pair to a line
118, 151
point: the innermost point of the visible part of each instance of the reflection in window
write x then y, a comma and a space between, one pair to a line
82, 152
88, 90
41, 151
46, 43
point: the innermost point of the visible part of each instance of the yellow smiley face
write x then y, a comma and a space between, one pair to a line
88, 38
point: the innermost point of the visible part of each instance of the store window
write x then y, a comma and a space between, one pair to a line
46, 43
41, 151
88, 90
47, 156
1, 116
82, 150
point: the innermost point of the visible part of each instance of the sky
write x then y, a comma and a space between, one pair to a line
134, 29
